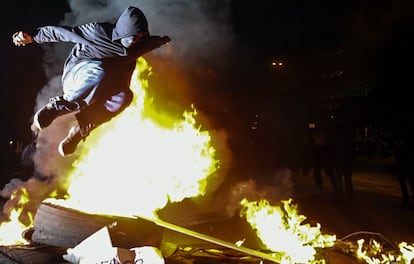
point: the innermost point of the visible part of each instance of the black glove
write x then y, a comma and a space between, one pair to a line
150, 43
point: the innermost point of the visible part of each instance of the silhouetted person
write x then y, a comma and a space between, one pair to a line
344, 156
404, 161
320, 156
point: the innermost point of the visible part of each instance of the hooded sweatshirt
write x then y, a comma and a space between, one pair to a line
101, 42
131, 22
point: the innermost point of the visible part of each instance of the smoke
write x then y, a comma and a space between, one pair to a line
200, 33
200, 36
280, 187
200, 30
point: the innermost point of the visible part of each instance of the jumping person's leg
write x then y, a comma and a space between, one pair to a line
79, 87
56, 107
91, 117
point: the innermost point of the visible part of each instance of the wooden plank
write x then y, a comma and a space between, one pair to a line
210, 239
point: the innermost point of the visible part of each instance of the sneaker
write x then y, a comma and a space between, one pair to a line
45, 116
69, 144
56, 107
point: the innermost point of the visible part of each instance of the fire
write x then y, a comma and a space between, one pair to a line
282, 232
289, 241
374, 253
407, 251
140, 160
11, 230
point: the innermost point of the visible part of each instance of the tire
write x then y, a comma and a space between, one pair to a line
64, 227
31, 254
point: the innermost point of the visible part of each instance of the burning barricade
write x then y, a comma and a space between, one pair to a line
111, 208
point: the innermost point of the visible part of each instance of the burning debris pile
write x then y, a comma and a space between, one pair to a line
289, 239
158, 160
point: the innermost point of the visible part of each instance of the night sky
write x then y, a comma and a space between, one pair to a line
352, 55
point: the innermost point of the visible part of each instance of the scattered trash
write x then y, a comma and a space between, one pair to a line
98, 248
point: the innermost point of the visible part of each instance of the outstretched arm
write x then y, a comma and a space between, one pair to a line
56, 34
21, 38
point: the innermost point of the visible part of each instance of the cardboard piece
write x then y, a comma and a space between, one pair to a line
98, 248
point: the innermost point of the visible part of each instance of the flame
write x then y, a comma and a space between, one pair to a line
282, 232
374, 253
407, 251
11, 230
140, 160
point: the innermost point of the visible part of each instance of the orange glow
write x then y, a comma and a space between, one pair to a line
281, 231
373, 252
138, 162
11, 230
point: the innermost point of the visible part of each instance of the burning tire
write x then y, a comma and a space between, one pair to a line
64, 227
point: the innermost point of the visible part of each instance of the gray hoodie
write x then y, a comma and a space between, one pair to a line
100, 41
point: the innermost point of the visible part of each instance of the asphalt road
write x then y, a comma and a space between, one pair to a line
374, 208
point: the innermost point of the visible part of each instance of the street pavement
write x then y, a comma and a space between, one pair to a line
375, 206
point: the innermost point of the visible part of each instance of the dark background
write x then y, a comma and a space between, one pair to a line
22, 74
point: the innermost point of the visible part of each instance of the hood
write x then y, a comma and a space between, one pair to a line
130, 22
